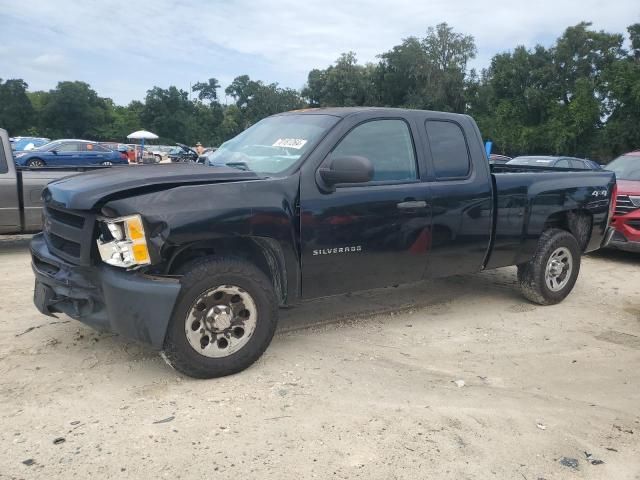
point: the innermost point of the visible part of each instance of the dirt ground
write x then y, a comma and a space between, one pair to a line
361, 386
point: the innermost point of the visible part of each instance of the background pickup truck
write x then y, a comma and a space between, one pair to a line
21, 189
195, 260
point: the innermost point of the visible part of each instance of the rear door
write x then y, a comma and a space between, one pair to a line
95, 154
363, 236
461, 196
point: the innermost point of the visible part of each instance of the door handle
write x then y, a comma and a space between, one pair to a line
412, 204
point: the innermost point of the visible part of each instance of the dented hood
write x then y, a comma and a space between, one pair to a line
84, 191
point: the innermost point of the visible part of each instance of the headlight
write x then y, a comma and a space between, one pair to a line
123, 243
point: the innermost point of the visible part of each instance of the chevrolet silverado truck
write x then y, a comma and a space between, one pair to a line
195, 260
21, 190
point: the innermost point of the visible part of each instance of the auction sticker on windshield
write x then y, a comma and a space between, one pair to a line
296, 143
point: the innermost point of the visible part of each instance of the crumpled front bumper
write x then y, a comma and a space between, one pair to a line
131, 304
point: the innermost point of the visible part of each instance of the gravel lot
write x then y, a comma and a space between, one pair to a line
362, 386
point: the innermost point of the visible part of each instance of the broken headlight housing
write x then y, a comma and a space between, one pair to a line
122, 241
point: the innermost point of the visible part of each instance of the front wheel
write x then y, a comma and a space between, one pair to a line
35, 163
551, 274
224, 319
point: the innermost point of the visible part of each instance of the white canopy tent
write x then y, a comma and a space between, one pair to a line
142, 135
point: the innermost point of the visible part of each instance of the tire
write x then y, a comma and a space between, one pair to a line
107, 163
557, 251
36, 163
194, 317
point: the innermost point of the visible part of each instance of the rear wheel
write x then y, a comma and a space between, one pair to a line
36, 162
552, 272
224, 319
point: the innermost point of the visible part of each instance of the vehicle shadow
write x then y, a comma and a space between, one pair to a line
618, 256
14, 243
432, 294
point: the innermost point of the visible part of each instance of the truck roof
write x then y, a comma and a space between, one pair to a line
387, 111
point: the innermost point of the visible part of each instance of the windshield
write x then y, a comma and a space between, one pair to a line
626, 167
540, 161
273, 144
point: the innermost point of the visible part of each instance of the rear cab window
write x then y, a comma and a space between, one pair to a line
449, 150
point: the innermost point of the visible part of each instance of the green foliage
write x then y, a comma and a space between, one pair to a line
255, 100
16, 111
207, 90
74, 110
580, 96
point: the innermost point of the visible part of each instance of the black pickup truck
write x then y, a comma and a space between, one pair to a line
195, 260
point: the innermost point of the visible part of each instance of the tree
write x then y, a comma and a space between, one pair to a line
343, 84
74, 110
166, 112
16, 112
207, 90
254, 100
622, 82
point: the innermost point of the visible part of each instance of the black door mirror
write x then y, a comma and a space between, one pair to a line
346, 169
54, 151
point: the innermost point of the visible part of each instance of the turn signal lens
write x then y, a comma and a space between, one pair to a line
140, 253
135, 230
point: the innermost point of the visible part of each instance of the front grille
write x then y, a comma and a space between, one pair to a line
67, 218
624, 205
69, 233
67, 246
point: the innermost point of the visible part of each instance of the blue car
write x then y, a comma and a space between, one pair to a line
69, 153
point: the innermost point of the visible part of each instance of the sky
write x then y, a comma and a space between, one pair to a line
123, 48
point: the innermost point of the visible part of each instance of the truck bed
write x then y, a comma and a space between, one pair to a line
525, 198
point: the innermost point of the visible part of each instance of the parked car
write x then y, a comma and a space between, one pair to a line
20, 144
195, 260
69, 153
555, 162
182, 153
21, 190
626, 217
161, 152
495, 159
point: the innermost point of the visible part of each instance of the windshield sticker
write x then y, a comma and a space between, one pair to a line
296, 143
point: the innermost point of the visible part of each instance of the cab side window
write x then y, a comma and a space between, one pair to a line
387, 144
448, 149
563, 163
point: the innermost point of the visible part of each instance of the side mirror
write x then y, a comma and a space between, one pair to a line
54, 151
347, 169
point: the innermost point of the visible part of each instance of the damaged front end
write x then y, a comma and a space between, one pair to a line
132, 304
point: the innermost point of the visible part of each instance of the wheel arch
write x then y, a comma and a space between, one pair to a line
578, 222
265, 253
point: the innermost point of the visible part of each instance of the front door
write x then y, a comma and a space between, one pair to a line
68, 154
367, 235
